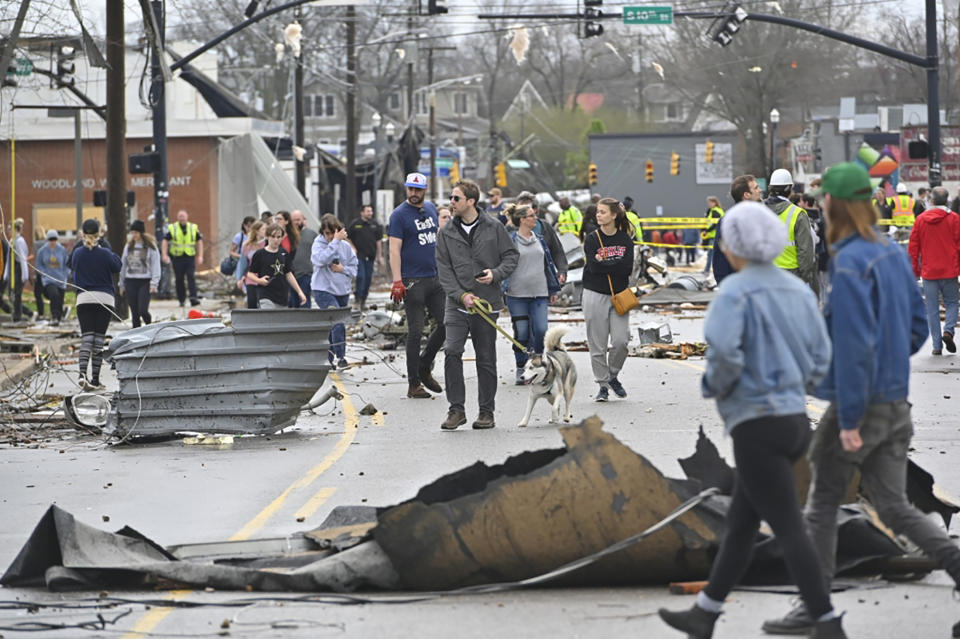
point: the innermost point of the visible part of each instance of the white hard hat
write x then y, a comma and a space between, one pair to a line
901, 188
781, 177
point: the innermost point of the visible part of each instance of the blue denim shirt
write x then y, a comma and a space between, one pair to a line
876, 319
767, 345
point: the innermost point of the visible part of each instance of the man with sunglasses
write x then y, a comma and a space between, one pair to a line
474, 255
413, 264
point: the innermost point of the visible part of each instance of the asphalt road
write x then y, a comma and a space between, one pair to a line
259, 487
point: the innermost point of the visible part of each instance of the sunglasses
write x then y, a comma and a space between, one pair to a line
457, 198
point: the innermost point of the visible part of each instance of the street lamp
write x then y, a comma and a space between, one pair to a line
375, 120
774, 120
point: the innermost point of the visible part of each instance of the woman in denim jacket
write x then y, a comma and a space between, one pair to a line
768, 347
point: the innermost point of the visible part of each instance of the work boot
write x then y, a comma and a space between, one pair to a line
832, 629
795, 622
696, 622
417, 391
948, 342
454, 418
484, 421
426, 378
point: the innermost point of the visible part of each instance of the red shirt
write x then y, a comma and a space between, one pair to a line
935, 244
670, 238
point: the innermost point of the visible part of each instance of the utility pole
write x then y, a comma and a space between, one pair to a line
158, 100
934, 175
116, 217
298, 113
78, 166
432, 101
350, 202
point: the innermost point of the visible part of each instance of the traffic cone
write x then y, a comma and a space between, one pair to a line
195, 314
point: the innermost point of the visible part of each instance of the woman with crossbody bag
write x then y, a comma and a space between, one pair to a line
609, 262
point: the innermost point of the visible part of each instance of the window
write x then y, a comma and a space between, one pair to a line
673, 111
307, 104
421, 105
395, 101
460, 103
323, 106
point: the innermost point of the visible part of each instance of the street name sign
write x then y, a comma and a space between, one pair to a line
648, 15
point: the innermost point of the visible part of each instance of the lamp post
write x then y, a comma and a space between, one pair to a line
375, 120
774, 120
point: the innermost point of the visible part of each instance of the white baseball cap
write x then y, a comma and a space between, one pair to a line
416, 180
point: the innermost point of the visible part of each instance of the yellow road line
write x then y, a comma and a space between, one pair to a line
315, 502
351, 419
377, 419
813, 408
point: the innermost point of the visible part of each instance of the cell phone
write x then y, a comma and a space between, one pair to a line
336, 260
480, 274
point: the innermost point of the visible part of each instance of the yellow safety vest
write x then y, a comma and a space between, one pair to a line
183, 243
570, 221
714, 213
902, 206
788, 259
634, 220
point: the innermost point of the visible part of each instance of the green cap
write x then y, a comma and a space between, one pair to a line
846, 181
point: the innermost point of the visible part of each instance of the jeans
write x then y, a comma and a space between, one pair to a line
459, 325
529, 317
765, 450
304, 282
364, 277
932, 290
691, 255
423, 294
184, 267
138, 298
709, 264
886, 431
605, 326
55, 294
338, 334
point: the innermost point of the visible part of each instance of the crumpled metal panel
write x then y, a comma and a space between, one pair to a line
250, 376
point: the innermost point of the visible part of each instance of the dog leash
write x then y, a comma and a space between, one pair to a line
483, 308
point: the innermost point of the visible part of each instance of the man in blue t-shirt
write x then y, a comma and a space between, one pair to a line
413, 264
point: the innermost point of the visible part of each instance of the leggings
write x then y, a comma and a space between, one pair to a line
138, 297
765, 450
94, 320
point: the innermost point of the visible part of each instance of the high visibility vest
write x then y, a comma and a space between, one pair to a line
570, 221
788, 259
902, 208
634, 220
183, 243
716, 213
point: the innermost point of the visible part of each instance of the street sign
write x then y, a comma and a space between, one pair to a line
648, 15
21, 66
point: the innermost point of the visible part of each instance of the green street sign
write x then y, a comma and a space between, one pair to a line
648, 15
20, 66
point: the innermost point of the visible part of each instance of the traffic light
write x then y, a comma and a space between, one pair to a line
500, 172
592, 174
65, 65
435, 9
10, 78
649, 171
454, 172
728, 23
591, 14
674, 163
708, 152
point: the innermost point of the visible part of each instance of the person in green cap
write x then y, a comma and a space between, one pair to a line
876, 320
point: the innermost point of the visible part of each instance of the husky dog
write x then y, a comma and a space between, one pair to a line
551, 376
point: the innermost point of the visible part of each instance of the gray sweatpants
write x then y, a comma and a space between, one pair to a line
605, 328
886, 431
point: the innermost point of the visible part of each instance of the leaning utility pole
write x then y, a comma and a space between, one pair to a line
350, 199
116, 217
298, 113
158, 101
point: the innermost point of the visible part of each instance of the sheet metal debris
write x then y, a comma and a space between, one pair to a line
537, 511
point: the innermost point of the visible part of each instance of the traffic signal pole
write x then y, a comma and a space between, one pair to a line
158, 101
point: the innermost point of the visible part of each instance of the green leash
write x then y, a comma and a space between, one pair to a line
483, 308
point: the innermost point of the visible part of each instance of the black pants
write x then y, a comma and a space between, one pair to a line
55, 294
423, 294
18, 308
765, 450
253, 296
184, 267
38, 293
138, 297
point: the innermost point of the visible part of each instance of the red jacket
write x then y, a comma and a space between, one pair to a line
935, 244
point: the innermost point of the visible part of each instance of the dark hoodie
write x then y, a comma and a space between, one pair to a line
934, 244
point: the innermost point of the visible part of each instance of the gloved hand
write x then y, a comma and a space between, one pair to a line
398, 292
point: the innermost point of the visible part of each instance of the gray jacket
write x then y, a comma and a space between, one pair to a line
460, 257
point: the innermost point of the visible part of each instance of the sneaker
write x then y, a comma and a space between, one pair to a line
617, 388
454, 418
937, 351
949, 343
795, 622
194, 302
342, 364
520, 381
484, 421
696, 621
426, 378
602, 395
417, 391
831, 629
95, 385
